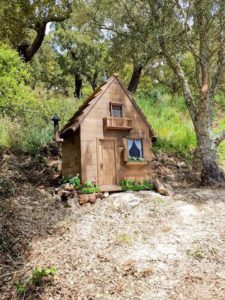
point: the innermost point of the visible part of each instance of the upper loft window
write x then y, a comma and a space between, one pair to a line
116, 110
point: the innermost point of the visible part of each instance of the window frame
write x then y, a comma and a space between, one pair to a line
111, 109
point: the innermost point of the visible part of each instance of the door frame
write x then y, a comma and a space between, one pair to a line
98, 139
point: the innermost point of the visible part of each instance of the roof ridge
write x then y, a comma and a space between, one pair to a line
94, 96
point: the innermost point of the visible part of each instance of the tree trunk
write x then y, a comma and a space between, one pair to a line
94, 81
27, 51
78, 84
211, 173
135, 78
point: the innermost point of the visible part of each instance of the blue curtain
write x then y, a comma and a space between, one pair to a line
135, 148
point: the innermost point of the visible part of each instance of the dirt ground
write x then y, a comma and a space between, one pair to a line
131, 245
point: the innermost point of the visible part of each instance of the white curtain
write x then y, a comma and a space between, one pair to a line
138, 143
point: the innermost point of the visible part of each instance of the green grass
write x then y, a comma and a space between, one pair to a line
170, 120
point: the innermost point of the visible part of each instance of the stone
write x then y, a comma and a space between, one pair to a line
160, 188
99, 195
92, 198
83, 199
181, 165
106, 194
68, 187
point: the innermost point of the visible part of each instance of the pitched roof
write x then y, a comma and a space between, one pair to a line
75, 121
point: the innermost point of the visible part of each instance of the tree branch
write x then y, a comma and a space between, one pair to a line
219, 137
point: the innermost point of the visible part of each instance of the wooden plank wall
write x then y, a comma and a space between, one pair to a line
71, 162
92, 128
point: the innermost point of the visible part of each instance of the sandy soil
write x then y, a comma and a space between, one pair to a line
133, 245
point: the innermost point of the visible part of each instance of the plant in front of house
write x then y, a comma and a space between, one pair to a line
130, 184
89, 187
73, 180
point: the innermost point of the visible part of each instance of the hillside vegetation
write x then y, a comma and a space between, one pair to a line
25, 122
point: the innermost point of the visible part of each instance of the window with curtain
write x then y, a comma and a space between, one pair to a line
116, 110
135, 148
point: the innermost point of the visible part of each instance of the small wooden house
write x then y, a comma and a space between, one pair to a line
108, 138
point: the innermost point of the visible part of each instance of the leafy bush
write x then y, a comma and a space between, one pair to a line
16, 99
25, 123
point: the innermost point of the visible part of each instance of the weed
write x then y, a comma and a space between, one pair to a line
124, 239
197, 254
38, 277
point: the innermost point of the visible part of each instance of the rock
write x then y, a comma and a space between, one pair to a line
68, 187
99, 195
169, 190
106, 194
83, 199
98, 199
125, 200
160, 188
92, 198
181, 165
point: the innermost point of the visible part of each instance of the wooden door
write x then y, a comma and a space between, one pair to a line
106, 162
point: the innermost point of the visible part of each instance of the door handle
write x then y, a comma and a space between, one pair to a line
101, 165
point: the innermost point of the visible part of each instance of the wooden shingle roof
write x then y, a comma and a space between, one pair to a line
75, 121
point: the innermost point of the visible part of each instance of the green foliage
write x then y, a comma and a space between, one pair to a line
130, 184
90, 190
89, 187
171, 122
88, 184
74, 180
16, 99
39, 274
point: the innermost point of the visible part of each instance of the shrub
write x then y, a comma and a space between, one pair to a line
38, 277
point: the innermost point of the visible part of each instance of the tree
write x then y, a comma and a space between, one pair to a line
25, 22
176, 28
127, 45
16, 99
196, 27
86, 54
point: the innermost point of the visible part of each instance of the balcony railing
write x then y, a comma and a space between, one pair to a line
111, 123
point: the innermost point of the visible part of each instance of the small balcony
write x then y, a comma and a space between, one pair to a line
112, 123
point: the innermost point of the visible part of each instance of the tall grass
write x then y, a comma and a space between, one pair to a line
170, 120
35, 129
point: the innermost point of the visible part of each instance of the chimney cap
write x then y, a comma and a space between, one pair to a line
55, 118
